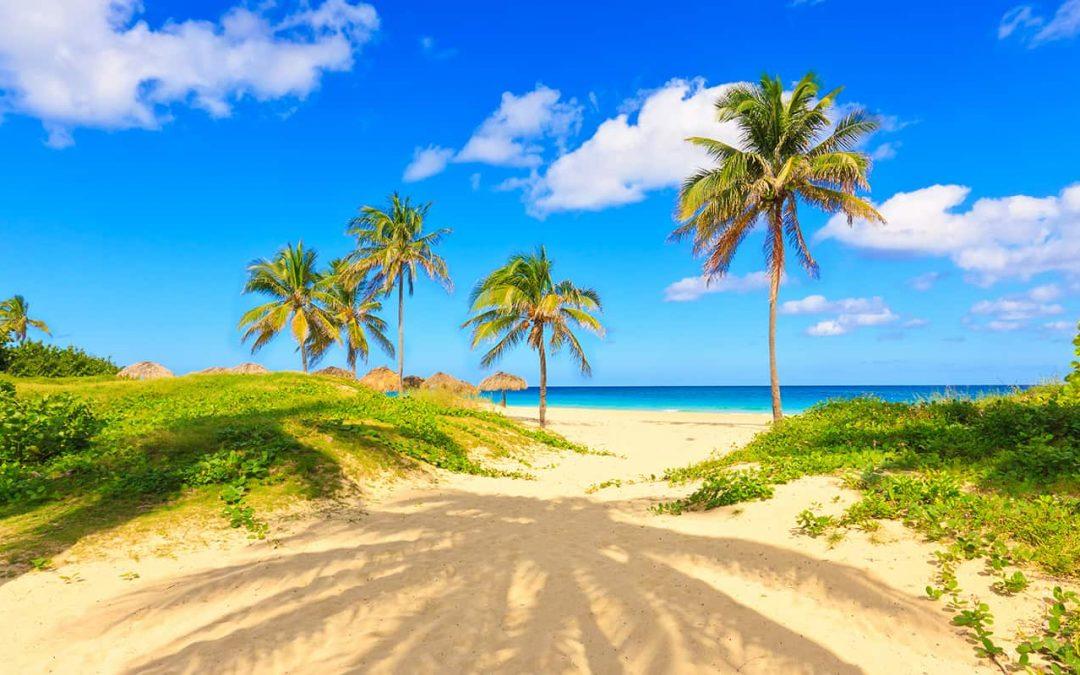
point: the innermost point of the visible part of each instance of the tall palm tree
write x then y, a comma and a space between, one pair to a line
392, 247
521, 302
297, 298
352, 309
789, 152
15, 319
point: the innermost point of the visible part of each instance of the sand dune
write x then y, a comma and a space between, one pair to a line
499, 575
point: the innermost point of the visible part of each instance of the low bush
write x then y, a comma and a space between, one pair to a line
36, 429
36, 359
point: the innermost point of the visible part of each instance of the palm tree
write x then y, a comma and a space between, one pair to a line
789, 151
298, 297
520, 302
15, 319
392, 247
352, 310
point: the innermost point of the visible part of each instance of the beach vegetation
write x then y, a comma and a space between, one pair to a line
31, 358
392, 249
521, 302
81, 456
790, 151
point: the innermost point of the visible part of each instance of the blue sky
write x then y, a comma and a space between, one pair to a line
152, 151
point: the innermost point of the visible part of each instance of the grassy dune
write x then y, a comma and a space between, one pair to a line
238, 447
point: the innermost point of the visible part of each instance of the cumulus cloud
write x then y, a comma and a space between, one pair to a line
692, 288
850, 313
641, 149
514, 135
885, 151
427, 162
1013, 312
996, 238
94, 63
1036, 29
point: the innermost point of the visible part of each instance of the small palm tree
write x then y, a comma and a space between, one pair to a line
352, 309
520, 302
15, 319
789, 153
298, 297
392, 247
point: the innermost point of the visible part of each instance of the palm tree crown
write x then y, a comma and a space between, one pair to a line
15, 319
789, 152
393, 248
353, 312
520, 302
298, 298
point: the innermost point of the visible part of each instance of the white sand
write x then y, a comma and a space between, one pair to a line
500, 575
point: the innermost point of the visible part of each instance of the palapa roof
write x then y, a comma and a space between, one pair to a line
212, 370
248, 369
501, 381
145, 370
334, 371
413, 381
380, 379
446, 382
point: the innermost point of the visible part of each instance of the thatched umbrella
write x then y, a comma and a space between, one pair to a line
503, 382
334, 371
145, 370
248, 369
380, 379
445, 382
413, 381
212, 370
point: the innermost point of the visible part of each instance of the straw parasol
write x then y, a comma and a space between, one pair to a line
445, 382
212, 370
503, 382
413, 381
380, 379
145, 370
334, 371
248, 369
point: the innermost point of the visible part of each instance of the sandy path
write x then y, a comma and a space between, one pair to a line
494, 575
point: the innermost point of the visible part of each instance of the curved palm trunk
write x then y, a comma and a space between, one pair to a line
401, 333
504, 398
543, 385
774, 377
304, 358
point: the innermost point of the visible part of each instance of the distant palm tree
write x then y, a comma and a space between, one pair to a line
520, 302
15, 319
298, 297
788, 152
391, 246
352, 308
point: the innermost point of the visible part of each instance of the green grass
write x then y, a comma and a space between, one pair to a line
239, 446
1006, 466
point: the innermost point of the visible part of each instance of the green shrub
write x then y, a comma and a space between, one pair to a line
723, 489
33, 430
19, 483
35, 359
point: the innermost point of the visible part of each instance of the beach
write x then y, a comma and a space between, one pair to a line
460, 573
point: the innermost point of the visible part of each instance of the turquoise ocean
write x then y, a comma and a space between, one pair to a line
736, 398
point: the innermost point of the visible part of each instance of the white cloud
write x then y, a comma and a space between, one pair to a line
515, 134
93, 63
427, 162
850, 313
1058, 325
634, 153
692, 288
430, 48
995, 238
1036, 29
924, 282
885, 151
1015, 311
508, 137
474, 181
915, 323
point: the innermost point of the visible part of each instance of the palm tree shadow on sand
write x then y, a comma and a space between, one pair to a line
467, 582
